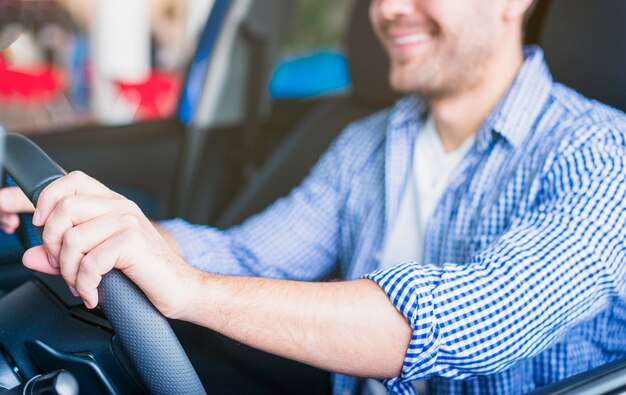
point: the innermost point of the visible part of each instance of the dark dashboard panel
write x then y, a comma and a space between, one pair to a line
47, 335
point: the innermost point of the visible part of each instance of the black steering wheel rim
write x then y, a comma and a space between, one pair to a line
146, 336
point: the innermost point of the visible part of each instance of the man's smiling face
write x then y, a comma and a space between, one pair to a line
436, 47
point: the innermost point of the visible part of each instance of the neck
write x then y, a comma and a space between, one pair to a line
459, 116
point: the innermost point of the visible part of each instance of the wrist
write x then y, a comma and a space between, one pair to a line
178, 299
200, 297
169, 238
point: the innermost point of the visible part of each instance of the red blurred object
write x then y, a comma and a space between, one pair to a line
29, 86
155, 97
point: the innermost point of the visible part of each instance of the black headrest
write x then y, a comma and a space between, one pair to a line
369, 64
585, 46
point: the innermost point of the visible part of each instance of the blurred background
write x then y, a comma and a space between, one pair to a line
87, 62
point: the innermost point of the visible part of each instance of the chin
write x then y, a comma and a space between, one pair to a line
428, 88
411, 80
401, 84
407, 86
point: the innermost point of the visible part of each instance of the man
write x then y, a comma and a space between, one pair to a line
512, 185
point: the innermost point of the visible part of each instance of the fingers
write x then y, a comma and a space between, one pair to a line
80, 240
89, 251
76, 210
75, 183
99, 261
36, 258
89, 230
128, 250
9, 222
12, 201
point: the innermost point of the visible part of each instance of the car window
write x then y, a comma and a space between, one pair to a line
86, 62
313, 62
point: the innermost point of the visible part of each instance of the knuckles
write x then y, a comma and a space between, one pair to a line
65, 204
130, 221
131, 228
47, 238
89, 264
72, 239
133, 209
77, 175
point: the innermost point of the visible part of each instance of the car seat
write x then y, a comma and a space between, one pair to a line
291, 161
585, 46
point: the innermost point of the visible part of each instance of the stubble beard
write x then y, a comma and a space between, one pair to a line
457, 67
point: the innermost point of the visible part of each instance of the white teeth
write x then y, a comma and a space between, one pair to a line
411, 39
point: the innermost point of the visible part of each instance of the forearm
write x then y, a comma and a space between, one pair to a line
347, 327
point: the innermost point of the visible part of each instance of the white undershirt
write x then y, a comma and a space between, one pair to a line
432, 169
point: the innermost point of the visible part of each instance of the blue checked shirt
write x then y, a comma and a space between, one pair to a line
524, 276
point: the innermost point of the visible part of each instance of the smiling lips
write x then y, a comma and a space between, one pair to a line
410, 39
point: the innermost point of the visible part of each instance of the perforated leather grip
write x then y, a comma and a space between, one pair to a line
144, 333
147, 338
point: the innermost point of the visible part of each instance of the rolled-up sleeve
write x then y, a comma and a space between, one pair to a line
560, 263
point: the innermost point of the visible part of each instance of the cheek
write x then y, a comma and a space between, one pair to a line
455, 21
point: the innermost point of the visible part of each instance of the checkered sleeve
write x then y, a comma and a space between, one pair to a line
295, 238
558, 264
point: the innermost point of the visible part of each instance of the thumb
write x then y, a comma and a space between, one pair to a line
13, 200
36, 258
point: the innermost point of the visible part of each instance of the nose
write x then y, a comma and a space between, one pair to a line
391, 9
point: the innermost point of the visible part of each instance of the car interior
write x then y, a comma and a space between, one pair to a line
227, 153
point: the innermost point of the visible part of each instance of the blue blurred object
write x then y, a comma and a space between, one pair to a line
311, 74
78, 60
11, 248
192, 90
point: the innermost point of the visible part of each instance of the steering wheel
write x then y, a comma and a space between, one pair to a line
148, 339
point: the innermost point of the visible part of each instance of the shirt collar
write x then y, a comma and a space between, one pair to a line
514, 115
407, 109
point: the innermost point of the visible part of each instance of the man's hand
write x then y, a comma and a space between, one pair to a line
349, 327
89, 230
13, 202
